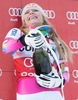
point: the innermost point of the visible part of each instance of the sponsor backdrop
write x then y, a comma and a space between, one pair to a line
64, 16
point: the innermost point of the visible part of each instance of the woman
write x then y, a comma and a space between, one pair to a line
30, 85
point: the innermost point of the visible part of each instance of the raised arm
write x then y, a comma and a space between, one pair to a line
11, 42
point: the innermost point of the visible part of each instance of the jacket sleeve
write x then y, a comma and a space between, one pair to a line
11, 42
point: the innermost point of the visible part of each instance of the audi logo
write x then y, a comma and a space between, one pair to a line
73, 44
0, 72
75, 73
50, 13
15, 12
71, 15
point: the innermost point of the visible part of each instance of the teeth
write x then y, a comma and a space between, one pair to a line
33, 17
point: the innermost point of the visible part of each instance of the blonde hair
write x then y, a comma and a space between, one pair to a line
62, 47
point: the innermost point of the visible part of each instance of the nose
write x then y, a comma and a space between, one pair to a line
30, 11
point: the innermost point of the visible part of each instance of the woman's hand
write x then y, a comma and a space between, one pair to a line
34, 39
51, 80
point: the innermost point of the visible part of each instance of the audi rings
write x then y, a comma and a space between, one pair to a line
15, 12
50, 13
73, 44
75, 73
71, 15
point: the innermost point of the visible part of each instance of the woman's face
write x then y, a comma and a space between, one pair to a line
33, 18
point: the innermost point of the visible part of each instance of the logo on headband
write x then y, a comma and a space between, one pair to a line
31, 5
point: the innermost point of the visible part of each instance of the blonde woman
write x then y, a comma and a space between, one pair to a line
31, 83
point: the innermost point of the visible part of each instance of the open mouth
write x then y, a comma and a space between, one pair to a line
32, 17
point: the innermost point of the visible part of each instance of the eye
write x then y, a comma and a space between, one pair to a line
27, 12
34, 10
